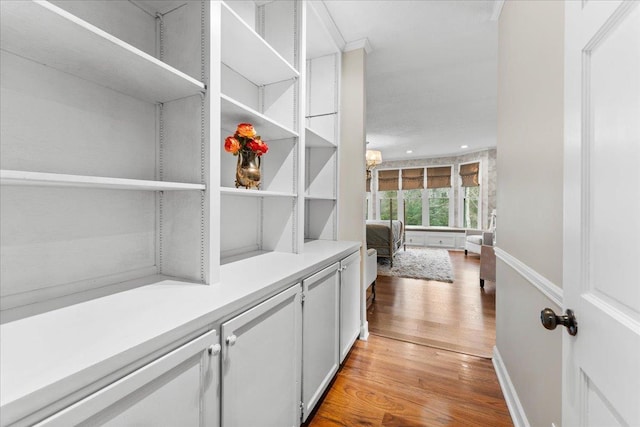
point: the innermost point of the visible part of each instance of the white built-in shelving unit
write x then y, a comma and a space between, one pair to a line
104, 168
261, 67
322, 134
112, 170
114, 183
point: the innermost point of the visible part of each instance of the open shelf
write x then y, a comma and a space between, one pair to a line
234, 112
248, 54
11, 177
243, 192
313, 140
51, 36
319, 197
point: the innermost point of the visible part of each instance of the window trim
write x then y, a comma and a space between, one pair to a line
480, 193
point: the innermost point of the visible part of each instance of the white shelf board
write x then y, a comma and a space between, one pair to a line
243, 192
248, 54
313, 140
240, 257
234, 112
319, 197
49, 35
12, 177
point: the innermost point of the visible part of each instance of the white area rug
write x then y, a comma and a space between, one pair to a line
419, 263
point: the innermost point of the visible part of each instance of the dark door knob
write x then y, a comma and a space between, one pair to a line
550, 320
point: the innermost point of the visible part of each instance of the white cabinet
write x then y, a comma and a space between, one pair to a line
320, 325
261, 358
414, 238
349, 302
441, 240
180, 388
437, 238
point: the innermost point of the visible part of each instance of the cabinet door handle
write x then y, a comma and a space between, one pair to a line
231, 340
214, 350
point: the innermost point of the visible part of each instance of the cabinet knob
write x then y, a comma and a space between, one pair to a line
231, 340
214, 350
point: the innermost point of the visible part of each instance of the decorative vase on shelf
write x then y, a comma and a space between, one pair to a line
248, 146
248, 169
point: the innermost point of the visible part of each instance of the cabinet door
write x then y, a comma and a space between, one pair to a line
261, 359
349, 302
178, 389
320, 332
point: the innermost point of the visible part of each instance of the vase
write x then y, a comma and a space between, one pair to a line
248, 170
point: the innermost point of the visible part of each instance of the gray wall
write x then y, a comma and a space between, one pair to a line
351, 162
529, 200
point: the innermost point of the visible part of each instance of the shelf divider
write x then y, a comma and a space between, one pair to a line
240, 42
243, 192
314, 140
44, 179
234, 112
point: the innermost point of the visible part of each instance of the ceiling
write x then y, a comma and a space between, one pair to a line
431, 74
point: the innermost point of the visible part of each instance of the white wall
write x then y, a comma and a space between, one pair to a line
351, 163
529, 202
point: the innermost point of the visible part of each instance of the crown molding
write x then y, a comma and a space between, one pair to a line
497, 9
359, 44
320, 8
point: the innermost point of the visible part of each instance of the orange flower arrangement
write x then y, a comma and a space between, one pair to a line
245, 139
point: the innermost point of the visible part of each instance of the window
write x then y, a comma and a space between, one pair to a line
388, 203
470, 203
439, 203
470, 195
438, 195
412, 207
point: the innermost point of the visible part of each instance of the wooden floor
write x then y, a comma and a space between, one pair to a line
458, 316
385, 382
410, 380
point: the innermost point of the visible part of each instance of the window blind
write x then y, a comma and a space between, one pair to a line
413, 179
469, 174
439, 177
388, 180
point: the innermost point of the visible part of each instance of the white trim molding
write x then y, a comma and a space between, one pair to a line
497, 9
544, 285
325, 16
518, 416
359, 44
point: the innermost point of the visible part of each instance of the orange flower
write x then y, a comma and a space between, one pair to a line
246, 130
258, 146
231, 145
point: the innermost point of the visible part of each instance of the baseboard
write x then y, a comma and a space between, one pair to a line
364, 331
516, 410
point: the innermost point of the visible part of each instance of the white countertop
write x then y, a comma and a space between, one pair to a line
46, 357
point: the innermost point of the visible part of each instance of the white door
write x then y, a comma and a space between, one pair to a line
320, 335
601, 364
180, 388
261, 371
349, 302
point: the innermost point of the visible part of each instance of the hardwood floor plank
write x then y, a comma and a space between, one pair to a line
420, 366
458, 316
386, 382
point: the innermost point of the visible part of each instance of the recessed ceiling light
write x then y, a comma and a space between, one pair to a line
409, 151
464, 146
